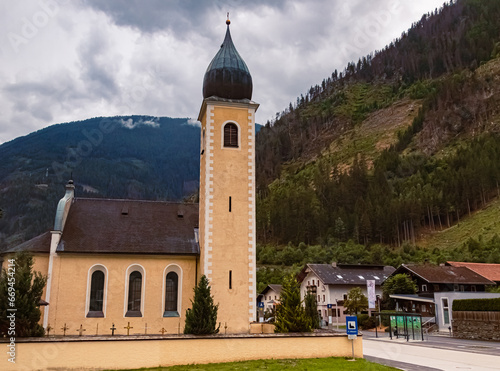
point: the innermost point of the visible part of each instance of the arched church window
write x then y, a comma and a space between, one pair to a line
134, 295
96, 301
171, 294
231, 135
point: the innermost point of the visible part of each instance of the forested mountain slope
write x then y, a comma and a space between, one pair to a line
137, 157
403, 140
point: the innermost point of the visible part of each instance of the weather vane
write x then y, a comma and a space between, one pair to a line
228, 21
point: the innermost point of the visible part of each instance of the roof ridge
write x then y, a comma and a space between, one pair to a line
134, 200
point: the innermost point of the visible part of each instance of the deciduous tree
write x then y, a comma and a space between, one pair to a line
397, 284
356, 301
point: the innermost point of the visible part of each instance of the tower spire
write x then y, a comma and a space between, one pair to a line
227, 75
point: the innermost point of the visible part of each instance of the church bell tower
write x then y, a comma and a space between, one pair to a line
227, 187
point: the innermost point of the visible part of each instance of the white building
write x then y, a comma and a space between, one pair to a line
332, 282
270, 296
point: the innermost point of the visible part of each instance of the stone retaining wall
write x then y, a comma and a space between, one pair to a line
476, 325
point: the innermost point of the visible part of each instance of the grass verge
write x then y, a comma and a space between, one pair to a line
313, 364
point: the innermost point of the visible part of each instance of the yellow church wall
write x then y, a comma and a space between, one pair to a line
126, 354
231, 238
70, 286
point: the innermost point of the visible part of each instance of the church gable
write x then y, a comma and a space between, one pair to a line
130, 227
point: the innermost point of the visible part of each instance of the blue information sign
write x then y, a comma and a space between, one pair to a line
261, 304
329, 306
351, 325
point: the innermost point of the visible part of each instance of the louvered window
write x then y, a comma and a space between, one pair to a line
230, 135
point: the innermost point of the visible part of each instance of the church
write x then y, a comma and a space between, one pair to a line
132, 265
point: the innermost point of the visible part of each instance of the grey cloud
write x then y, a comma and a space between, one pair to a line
97, 71
179, 16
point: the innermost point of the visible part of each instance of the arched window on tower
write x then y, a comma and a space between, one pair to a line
134, 295
171, 295
96, 294
231, 135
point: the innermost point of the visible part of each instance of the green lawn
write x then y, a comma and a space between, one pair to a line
312, 364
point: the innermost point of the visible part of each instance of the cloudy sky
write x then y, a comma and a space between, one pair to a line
66, 60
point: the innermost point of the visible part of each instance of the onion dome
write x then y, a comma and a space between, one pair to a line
227, 76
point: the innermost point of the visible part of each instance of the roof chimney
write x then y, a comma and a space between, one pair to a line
334, 264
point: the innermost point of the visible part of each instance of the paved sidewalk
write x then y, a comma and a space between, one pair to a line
400, 353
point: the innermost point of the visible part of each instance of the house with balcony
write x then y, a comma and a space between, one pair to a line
330, 283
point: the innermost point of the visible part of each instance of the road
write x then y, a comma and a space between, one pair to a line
435, 353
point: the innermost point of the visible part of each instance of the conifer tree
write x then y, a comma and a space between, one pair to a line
311, 306
290, 314
201, 319
25, 287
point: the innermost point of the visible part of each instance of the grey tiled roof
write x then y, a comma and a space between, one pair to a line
275, 288
350, 274
38, 244
130, 227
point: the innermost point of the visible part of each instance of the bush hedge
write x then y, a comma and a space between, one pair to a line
366, 322
477, 305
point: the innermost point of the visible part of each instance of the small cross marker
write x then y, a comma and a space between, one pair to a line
112, 328
128, 328
81, 330
64, 328
163, 330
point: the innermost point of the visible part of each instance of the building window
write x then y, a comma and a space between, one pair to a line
324, 298
230, 135
424, 288
203, 142
345, 297
96, 292
171, 294
230, 280
473, 288
134, 295
446, 311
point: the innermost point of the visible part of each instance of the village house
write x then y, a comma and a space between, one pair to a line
270, 296
332, 282
438, 286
